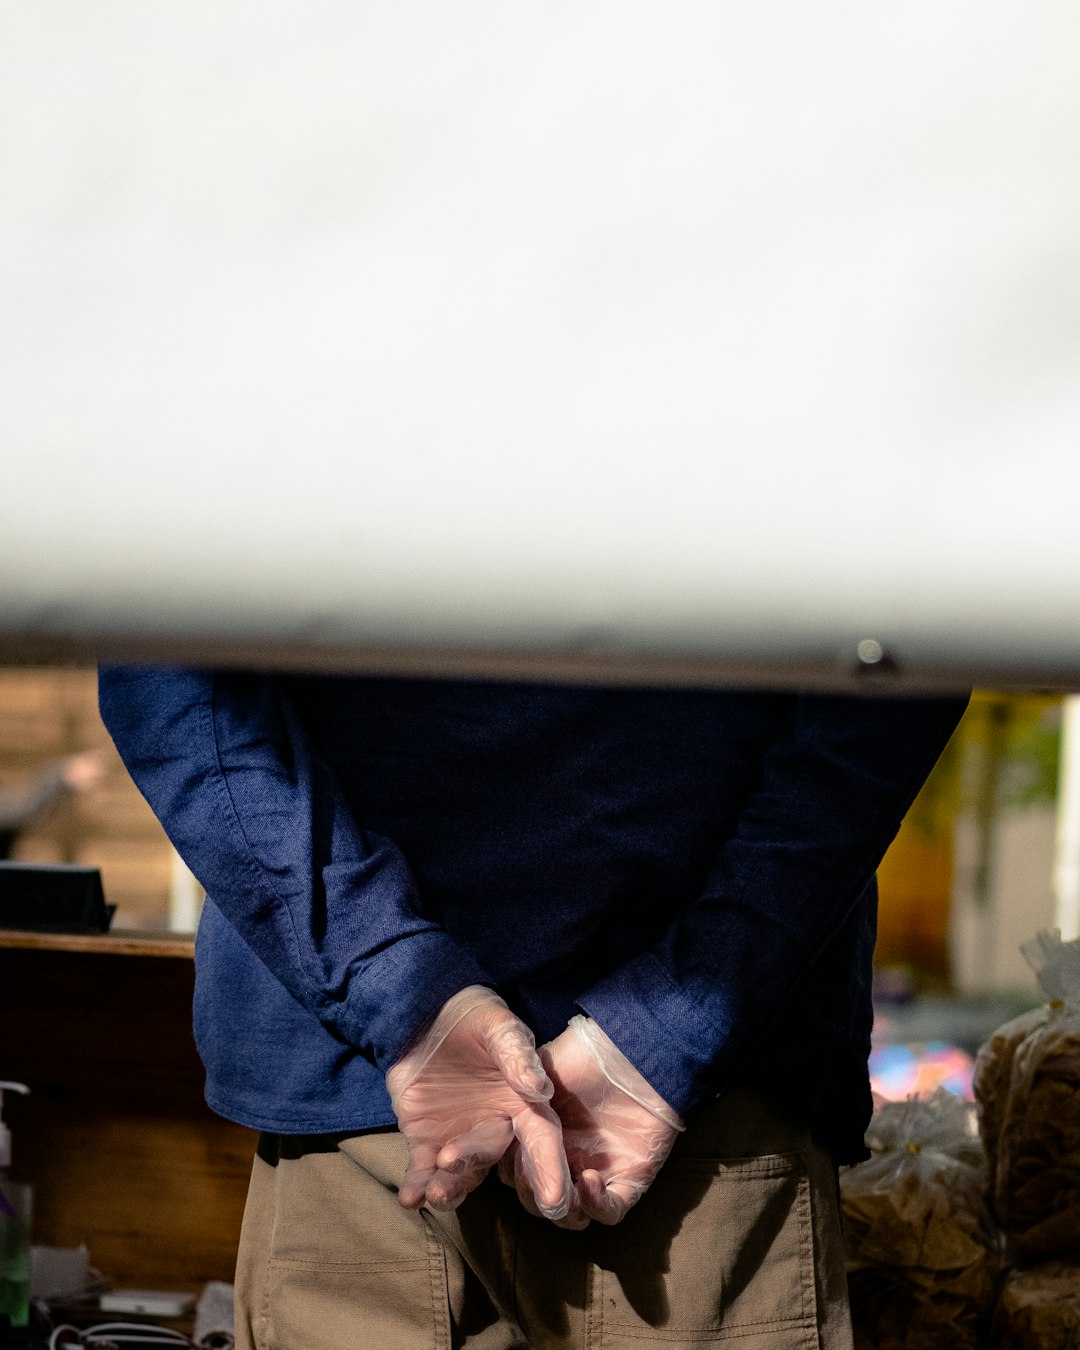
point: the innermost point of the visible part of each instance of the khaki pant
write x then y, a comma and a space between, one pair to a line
737, 1242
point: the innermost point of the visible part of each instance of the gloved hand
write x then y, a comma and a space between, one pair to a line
468, 1088
617, 1129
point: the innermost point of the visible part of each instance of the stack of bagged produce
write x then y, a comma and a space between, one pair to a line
922, 1253
1039, 1308
1027, 1085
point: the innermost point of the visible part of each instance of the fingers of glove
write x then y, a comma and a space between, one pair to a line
575, 1218
541, 1165
478, 1148
513, 1049
441, 1175
446, 1190
421, 1168
511, 1173
607, 1202
507, 1166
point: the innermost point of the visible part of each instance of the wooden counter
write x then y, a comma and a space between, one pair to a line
123, 1152
116, 943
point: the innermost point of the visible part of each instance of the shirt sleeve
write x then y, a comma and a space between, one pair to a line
331, 909
834, 787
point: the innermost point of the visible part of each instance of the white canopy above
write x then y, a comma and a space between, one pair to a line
600, 338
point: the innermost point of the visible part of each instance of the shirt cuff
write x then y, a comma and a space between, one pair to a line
665, 1035
401, 990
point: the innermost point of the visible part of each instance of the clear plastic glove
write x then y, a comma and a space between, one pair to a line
466, 1090
617, 1130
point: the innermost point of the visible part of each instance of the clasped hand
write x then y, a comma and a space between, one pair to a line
471, 1086
576, 1130
617, 1130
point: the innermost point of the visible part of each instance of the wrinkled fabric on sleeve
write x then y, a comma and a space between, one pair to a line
330, 909
834, 787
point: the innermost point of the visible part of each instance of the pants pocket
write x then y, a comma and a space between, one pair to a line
724, 1250
347, 1265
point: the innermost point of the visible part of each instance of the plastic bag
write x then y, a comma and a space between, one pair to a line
1039, 1309
1027, 1084
922, 1255
1057, 969
1037, 1176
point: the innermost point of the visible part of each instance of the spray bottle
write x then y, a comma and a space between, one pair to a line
16, 1201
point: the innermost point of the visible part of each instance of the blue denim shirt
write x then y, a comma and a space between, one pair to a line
692, 868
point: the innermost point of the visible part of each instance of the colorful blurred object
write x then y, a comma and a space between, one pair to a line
897, 1071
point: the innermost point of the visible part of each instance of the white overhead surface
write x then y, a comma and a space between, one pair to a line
697, 340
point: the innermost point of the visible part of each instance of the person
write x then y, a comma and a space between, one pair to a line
23, 807
412, 882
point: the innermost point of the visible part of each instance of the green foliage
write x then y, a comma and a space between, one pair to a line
1003, 756
1032, 760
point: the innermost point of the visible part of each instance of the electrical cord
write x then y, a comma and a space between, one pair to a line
107, 1335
